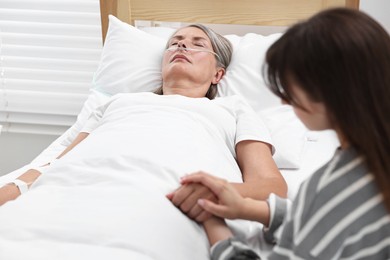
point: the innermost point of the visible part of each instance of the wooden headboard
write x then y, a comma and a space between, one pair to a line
244, 12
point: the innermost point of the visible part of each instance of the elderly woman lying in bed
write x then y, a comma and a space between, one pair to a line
108, 191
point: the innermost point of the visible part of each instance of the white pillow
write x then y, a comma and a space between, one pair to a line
244, 74
131, 62
288, 133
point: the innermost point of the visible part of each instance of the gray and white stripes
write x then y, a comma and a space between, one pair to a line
339, 214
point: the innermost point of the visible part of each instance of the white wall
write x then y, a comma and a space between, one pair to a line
379, 10
17, 150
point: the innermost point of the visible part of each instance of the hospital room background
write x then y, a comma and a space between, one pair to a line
49, 50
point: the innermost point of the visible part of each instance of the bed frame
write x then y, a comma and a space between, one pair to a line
243, 12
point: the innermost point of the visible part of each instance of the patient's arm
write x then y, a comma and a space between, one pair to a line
260, 174
10, 191
81, 136
260, 178
216, 230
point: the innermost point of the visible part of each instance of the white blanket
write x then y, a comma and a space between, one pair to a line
106, 199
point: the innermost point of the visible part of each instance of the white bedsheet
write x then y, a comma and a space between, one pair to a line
106, 197
85, 210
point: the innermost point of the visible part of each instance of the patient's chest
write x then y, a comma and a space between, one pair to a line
166, 116
163, 137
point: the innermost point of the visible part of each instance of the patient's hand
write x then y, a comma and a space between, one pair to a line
186, 198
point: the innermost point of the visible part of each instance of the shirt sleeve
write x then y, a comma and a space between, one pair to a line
232, 248
250, 125
279, 208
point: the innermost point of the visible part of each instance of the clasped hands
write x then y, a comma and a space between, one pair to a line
202, 195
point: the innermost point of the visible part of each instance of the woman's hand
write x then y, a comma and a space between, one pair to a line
230, 202
186, 198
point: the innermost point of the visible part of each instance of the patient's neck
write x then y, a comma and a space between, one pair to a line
185, 89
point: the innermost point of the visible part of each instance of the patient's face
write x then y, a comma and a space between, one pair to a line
189, 72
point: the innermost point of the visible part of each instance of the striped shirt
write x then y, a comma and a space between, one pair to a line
338, 213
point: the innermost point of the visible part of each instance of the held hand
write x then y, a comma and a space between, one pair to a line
230, 202
186, 198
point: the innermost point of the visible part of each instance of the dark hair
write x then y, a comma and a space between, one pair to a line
221, 46
341, 57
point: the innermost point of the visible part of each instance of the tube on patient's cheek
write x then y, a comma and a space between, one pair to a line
176, 48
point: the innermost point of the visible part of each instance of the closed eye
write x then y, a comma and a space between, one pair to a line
199, 44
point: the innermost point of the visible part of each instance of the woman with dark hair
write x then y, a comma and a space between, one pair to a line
334, 69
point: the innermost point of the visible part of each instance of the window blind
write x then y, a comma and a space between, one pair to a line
49, 50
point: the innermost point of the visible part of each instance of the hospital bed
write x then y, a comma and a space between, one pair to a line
130, 62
